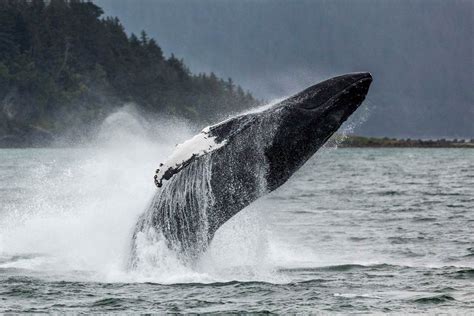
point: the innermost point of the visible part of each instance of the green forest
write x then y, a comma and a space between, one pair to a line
64, 67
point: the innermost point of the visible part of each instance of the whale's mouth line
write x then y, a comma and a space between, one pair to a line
328, 104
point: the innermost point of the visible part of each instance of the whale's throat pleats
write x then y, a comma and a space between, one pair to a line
178, 215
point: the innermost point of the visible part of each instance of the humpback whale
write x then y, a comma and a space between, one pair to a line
220, 171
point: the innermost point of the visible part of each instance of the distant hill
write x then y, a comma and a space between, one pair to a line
373, 142
63, 68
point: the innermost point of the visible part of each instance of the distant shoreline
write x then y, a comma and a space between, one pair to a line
341, 141
373, 142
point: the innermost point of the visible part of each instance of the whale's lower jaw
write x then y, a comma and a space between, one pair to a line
253, 155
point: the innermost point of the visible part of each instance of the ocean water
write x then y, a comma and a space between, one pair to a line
354, 231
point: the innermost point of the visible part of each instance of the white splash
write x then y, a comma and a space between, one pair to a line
78, 208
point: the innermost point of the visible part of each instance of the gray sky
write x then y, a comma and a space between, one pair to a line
420, 52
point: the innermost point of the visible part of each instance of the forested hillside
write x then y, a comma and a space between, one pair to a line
64, 67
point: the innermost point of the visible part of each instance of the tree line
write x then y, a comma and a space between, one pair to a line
63, 65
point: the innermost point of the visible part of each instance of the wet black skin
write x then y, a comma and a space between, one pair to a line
278, 141
262, 150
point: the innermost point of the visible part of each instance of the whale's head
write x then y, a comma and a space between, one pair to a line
305, 121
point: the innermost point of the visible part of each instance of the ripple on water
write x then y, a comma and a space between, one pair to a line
389, 234
434, 299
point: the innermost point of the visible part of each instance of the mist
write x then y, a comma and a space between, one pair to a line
419, 52
77, 209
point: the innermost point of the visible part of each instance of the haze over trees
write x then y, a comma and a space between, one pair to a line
63, 67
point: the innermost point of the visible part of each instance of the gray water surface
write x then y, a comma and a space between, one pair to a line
355, 230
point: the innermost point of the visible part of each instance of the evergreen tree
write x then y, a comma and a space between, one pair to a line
64, 66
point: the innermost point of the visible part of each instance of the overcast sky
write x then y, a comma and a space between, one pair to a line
419, 52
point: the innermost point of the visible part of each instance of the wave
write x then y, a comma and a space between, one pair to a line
435, 299
341, 268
